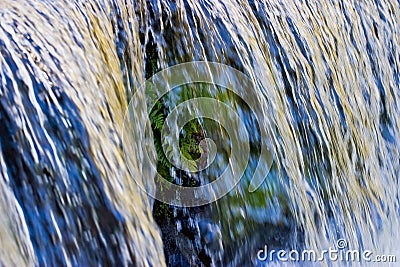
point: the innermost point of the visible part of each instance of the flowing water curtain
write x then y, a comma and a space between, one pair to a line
330, 73
66, 71
343, 72
14, 252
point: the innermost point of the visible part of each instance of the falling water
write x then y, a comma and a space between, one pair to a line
327, 73
65, 69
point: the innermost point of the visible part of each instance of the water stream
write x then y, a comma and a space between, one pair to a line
325, 73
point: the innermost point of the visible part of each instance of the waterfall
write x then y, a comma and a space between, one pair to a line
325, 75
65, 69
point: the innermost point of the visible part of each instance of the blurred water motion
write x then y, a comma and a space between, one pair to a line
328, 73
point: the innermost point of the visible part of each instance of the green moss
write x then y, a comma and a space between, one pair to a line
189, 140
189, 146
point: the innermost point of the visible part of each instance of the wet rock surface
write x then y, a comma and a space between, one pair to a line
192, 238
